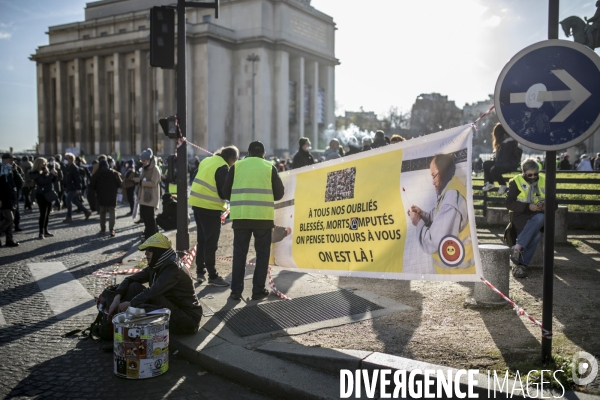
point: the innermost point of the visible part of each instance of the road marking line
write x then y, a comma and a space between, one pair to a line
65, 295
2, 320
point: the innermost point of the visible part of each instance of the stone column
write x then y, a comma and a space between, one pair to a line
300, 97
495, 261
282, 101
44, 101
79, 92
61, 106
142, 94
120, 103
99, 106
313, 132
330, 96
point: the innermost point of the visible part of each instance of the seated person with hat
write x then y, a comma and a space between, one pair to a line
170, 287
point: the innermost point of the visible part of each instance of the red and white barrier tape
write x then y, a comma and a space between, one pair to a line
482, 115
181, 140
545, 333
224, 216
101, 273
188, 257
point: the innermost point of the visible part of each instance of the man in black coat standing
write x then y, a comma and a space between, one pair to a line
106, 183
73, 188
10, 182
303, 157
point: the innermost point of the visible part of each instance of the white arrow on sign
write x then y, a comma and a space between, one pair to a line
537, 95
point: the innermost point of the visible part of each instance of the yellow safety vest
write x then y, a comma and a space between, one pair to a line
204, 192
467, 265
252, 190
525, 187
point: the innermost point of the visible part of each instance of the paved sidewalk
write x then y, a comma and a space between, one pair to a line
418, 322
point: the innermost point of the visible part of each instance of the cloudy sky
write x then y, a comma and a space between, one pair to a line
390, 50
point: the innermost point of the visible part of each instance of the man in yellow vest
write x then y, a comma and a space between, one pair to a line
444, 232
208, 203
525, 199
252, 186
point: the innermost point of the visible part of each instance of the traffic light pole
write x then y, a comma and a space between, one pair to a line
183, 237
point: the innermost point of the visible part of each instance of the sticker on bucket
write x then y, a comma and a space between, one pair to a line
141, 348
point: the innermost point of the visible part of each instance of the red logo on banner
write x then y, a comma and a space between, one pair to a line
451, 251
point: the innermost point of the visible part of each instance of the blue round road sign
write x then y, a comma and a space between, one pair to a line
548, 95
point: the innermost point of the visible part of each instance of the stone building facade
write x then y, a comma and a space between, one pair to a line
98, 93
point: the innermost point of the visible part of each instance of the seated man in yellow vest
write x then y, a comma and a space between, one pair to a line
252, 186
525, 199
208, 202
444, 232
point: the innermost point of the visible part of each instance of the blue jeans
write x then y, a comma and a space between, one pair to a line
530, 237
241, 243
73, 198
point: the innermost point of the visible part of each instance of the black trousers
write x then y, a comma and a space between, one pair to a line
181, 321
45, 208
492, 173
209, 230
27, 196
130, 200
147, 214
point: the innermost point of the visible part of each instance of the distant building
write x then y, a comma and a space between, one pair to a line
433, 112
98, 93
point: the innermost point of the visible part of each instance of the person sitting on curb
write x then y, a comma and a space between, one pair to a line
170, 287
526, 200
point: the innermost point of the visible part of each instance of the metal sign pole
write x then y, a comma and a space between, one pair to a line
549, 218
182, 237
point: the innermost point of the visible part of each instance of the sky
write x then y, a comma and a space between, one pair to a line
390, 51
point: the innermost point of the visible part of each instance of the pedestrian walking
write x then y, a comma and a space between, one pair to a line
208, 203
148, 192
10, 182
106, 183
44, 193
252, 186
73, 188
584, 164
508, 157
302, 158
565, 165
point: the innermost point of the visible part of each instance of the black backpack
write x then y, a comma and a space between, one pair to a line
102, 327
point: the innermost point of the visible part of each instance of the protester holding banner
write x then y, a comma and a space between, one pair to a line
445, 228
302, 158
525, 199
208, 203
252, 186
507, 159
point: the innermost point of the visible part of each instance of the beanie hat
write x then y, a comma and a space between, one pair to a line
146, 154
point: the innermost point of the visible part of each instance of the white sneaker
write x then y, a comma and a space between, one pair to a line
502, 189
488, 186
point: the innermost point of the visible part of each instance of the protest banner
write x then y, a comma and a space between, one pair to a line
403, 211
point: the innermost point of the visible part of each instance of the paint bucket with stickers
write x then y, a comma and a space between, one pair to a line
141, 345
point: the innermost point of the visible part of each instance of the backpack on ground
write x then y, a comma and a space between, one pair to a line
102, 327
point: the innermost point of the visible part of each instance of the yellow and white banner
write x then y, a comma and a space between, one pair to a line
403, 211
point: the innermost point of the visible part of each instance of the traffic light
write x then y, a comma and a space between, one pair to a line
162, 37
169, 126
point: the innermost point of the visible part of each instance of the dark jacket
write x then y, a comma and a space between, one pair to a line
278, 191
44, 182
72, 178
564, 165
106, 182
169, 285
302, 159
9, 186
506, 156
167, 220
378, 142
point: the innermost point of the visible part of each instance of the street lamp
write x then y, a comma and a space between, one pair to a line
253, 58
